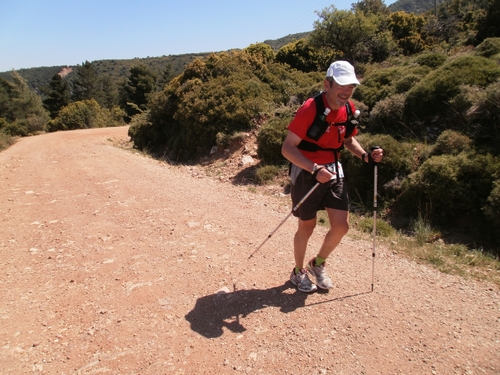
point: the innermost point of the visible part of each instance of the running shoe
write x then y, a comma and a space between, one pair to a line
302, 282
323, 281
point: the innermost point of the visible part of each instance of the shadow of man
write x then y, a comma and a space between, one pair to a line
213, 312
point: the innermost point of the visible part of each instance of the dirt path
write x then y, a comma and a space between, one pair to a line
113, 263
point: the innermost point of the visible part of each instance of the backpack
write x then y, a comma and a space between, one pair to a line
320, 126
350, 125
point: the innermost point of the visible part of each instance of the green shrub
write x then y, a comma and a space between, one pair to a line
223, 94
489, 47
452, 190
14, 129
270, 140
484, 119
378, 85
387, 117
427, 102
451, 142
406, 83
78, 115
383, 229
492, 210
266, 174
399, 161
431, 59
6, 140
85, 114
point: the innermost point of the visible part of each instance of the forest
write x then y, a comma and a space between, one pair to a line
430, 96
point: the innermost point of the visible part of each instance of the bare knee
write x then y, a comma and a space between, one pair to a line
306, 228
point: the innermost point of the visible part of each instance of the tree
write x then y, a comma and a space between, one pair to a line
304, 57
107, 93
371, 6
165, 77
406, 29
86, 82
345, 31
262, 51
21, 107
58, 95
490, 27
140, 84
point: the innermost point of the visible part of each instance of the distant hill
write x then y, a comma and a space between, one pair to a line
413, 6
118, 70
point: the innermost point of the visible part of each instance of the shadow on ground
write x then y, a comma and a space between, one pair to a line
213, 312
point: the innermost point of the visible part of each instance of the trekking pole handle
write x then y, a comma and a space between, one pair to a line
373, 148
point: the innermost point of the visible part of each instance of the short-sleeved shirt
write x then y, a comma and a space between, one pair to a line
333, 136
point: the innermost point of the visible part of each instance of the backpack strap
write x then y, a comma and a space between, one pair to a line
350, 125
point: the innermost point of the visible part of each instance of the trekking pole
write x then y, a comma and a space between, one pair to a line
285, 219
374, 213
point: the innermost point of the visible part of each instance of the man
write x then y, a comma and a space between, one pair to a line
320, 163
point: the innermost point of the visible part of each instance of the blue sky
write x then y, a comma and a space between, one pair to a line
35, 33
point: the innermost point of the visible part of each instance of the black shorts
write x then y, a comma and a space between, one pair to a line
329, 195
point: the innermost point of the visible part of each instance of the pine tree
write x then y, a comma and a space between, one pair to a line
140, 84
58, 95
86, 82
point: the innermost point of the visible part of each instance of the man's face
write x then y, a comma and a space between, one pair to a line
338, 95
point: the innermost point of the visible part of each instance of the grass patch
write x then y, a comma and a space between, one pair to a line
453, 259
6, 141
426, 247
266, 174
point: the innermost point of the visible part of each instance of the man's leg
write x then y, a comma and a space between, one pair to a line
304, 232
339, 225
299, 274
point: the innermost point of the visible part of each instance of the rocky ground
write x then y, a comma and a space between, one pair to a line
116, 263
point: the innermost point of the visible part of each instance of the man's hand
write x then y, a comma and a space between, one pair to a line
324, 175
376, 154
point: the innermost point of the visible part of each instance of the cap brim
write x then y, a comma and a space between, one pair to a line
346, 81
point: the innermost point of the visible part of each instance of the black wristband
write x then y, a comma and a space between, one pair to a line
363, 157
317, 170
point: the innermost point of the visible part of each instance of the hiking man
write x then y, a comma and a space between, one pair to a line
315, 158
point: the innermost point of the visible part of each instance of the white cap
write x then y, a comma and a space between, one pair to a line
343, 73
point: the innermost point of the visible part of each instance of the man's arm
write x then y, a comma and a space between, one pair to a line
290, 151
355, 148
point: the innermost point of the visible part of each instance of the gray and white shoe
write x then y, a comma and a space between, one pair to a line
302, 282
323, 281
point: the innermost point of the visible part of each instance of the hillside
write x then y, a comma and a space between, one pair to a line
118, 70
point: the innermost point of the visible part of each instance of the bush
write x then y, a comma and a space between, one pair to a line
266, 173
489, 47
427, 102
6, 140
383, 229
432, 59
406, 83
377, 86
270, 140
451, 142
387, 117
84, 114
223, 94
492, 211
452, 190
484, 119
398, 162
